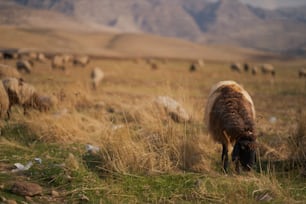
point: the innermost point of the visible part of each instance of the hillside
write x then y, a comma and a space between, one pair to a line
113, 44
12, 14
224, 21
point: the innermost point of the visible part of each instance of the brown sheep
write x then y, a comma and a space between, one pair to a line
24, 66
302, 73
10, 54
192, 67
154, 66
236, 67
25, 95
246, 67
230, 119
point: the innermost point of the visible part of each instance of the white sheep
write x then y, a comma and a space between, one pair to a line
81, 61
254, 70
96, 76
25, 95
268, 69
4, 101
7, 71
58, 62
41, 57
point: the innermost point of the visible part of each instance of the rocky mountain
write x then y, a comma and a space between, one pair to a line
204, 21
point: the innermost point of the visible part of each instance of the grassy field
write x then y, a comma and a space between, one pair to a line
145, 157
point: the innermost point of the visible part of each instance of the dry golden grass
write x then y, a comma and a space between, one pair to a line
121, 119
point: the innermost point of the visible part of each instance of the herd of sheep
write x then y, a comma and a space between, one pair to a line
229, 113
267, 69
15, 91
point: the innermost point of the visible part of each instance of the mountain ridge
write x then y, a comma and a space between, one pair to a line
202, 21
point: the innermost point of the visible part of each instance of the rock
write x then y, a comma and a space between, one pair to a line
26, 188
173, 108
11, 202
28, 199
55, 193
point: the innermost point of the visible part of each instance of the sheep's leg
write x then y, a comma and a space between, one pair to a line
8, 112
225, 157
25, 110
8, 115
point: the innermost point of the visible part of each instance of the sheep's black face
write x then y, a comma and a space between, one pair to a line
244, 151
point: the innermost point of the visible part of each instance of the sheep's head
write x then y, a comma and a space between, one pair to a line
245, 152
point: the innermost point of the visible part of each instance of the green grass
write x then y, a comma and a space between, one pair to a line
79, 178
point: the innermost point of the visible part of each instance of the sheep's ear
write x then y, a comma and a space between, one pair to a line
236, 150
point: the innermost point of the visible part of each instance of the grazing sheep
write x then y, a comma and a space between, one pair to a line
24, 66
154, 66
7, 71
10, 54
4, 101
96, 76
81, 61
268, 69
246, 67
25, 95
254, 70
230, 119
236, 67
192, 67
67, 58
32, 55
58, 62
302, 73
39, 102
200, 62
12, 87
41, 57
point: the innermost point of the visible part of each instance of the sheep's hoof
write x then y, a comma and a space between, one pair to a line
225, 171
237, 167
